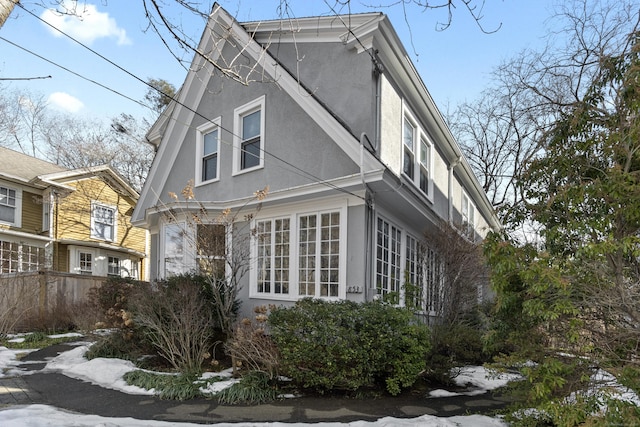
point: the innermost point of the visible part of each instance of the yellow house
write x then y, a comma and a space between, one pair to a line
73, 221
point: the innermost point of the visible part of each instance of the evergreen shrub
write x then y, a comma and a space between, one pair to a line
344, 345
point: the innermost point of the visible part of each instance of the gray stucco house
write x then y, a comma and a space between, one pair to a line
331, 115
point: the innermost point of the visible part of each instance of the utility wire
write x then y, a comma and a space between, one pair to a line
297, 170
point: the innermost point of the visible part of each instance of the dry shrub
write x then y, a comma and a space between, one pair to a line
177, 321
252, 347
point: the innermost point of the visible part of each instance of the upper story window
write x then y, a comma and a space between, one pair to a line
8, 205
416, 156
46, 216
248, 147
208, 149
103, 220
468, 216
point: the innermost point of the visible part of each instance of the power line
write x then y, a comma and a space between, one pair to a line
298, 171
25, 78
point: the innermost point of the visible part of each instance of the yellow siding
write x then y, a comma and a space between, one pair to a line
31, 213
73, 216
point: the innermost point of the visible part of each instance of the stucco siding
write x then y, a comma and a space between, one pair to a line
390, 126
338, 76
297, 151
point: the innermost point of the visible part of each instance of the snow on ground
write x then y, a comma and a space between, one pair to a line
47, 416
477, 380
108, 373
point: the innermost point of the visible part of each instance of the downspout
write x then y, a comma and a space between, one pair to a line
450, 168
368, 222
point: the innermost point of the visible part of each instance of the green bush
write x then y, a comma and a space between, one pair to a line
457, 344
253, 388
346, 346
170, 387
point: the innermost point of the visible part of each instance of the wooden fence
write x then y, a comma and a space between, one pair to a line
34, 294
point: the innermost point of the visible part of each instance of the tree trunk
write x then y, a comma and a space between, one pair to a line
6, 6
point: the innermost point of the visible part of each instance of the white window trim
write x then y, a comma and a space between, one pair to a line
424, 284
468, 227
187, 265
420, 136
17, 222
77, 267
200, 132
294, 215
238, 113
114, 238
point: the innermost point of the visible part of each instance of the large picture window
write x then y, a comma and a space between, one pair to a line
249, 136
298, 255
416, 155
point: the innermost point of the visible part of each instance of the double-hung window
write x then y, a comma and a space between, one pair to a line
249, 136
416, 156
8, 197
103, 222
208, 151
409, 138
468, 216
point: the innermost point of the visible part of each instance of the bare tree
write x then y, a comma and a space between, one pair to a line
221, 244
505, 129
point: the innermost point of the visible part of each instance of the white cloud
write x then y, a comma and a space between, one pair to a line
86, 24
65, 102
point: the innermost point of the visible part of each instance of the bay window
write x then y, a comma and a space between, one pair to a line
303, 249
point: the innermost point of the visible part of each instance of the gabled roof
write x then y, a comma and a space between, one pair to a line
22, 168
359, 31
104, 172
228, 30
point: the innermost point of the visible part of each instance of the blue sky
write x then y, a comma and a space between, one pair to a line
454, 63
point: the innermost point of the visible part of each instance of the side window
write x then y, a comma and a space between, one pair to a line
113, 268
174, 248
208, 152
416, 154
103, 220
8, 205
468, 216
249, 126
85, 262
409, 137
